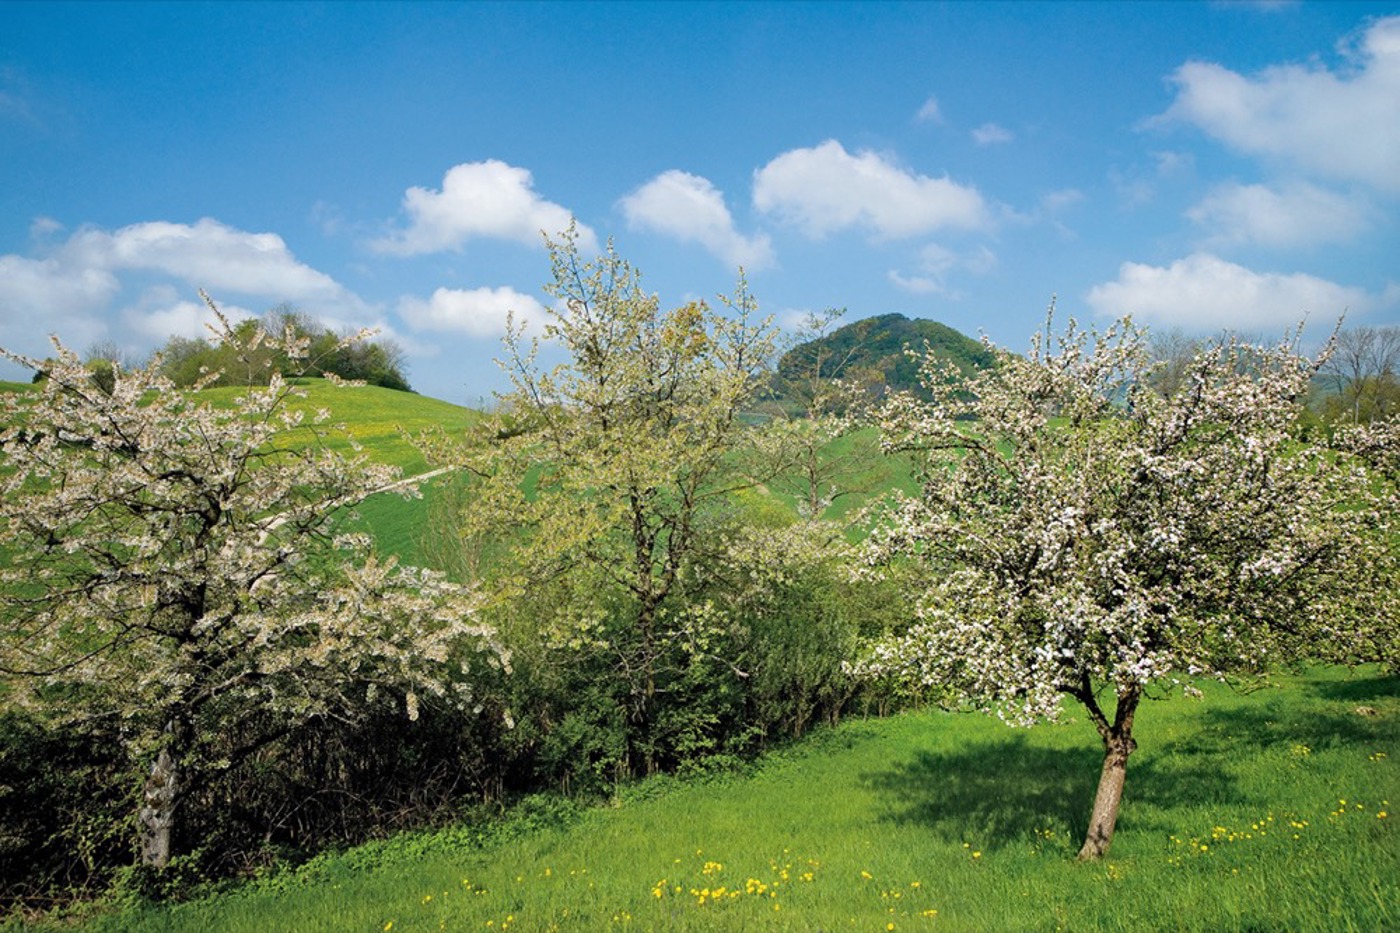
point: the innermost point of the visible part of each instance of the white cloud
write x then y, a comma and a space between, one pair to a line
930, 112
188, 319
1297, 214
937, 264
41, 228
825, 189
207, 255
478, 312
1205, 292
691, 209
1340, 124
478, 199
990, 133
46, 296
41, 288
73, 285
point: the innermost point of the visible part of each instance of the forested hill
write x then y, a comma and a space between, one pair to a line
871, 352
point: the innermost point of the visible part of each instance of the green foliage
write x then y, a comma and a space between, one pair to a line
186, 361
64, 808
925, 821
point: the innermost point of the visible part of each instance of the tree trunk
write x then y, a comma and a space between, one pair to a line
1118, 744
1110, 793
161, 795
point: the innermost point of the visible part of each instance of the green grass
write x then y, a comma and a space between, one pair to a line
1259, 812
384, 423
381, 420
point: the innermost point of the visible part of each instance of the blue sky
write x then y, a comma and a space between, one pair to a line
1200, 165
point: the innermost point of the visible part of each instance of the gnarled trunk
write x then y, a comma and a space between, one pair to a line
1118, 744
161, 796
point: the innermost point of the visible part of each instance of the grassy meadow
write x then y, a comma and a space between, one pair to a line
1267, 811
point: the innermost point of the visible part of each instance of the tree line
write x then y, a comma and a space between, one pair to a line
186, 360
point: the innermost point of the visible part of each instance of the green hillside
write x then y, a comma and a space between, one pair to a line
871, 352
384, 422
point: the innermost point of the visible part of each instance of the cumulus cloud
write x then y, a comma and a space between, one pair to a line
1340, 124
50, 286
46, 296
477, 312
1204, 292
1293, 215
206, 254
72, 285
825, 189
691, 209
161, 314
989, 134
478, 199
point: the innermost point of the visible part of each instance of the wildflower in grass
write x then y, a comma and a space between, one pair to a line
866, 875
1381, 815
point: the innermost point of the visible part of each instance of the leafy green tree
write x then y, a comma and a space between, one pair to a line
173, 565
378, 362
610, 477
1085, 534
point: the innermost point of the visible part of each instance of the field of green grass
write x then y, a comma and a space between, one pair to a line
1268, 811
384, 423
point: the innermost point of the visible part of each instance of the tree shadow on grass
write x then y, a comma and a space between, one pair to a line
1000, 792
1359, 689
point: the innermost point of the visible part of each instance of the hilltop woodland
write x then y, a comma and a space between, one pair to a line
669, 552
239, 361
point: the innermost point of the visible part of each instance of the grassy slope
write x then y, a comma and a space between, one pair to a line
383, 422
1234, 820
